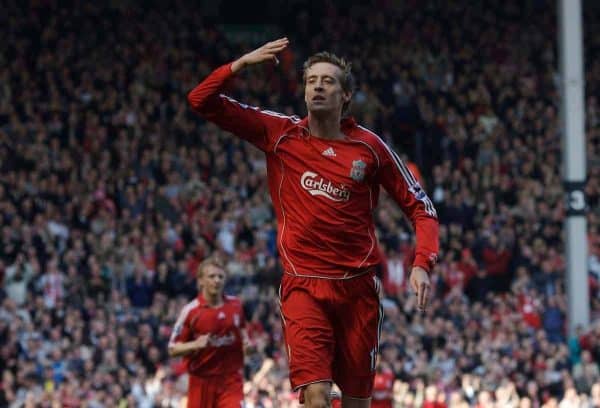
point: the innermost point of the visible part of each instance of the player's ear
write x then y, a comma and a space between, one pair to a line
347, 96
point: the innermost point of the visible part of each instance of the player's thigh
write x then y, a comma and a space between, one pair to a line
231, 391
308, 333
357, 329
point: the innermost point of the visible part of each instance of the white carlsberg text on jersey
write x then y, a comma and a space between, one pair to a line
318, 186
222, 341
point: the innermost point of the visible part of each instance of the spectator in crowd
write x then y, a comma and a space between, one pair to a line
111, 194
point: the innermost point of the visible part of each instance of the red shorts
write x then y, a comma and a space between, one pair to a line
216, 392
332, 328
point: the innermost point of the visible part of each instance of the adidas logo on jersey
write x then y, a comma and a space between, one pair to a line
328, 152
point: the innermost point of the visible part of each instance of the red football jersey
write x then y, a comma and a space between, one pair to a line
224, 353
324, 191
383, 386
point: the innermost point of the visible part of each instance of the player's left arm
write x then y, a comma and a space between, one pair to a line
404, 188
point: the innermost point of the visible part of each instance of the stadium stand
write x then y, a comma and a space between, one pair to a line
112, 192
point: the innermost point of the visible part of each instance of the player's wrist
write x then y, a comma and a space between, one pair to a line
425, 262
423, 267
238, 65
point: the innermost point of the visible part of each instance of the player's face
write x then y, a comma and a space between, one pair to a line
323, 90
212, 280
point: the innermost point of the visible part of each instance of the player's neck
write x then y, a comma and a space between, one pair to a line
213, 300
325, 127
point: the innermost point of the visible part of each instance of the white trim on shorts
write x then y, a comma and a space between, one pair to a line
298, 275
329, 380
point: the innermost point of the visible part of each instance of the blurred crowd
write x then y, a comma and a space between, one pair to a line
112, 192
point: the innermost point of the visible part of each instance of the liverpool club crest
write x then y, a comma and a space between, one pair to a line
357, 172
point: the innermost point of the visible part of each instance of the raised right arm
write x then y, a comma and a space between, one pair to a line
257, 126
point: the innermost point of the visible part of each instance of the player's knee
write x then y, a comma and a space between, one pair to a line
319, 402
317, 395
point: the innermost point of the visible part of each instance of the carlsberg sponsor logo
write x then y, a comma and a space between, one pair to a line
222, 341
317, 185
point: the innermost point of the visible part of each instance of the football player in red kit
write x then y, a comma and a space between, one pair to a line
210, 334
324, 176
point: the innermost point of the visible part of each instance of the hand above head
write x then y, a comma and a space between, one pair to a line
267, 52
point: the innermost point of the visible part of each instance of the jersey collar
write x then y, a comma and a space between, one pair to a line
346, 124
202, 300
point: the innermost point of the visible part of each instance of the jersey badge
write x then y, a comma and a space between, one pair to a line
357, 172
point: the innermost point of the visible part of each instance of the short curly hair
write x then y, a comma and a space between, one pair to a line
347, 80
